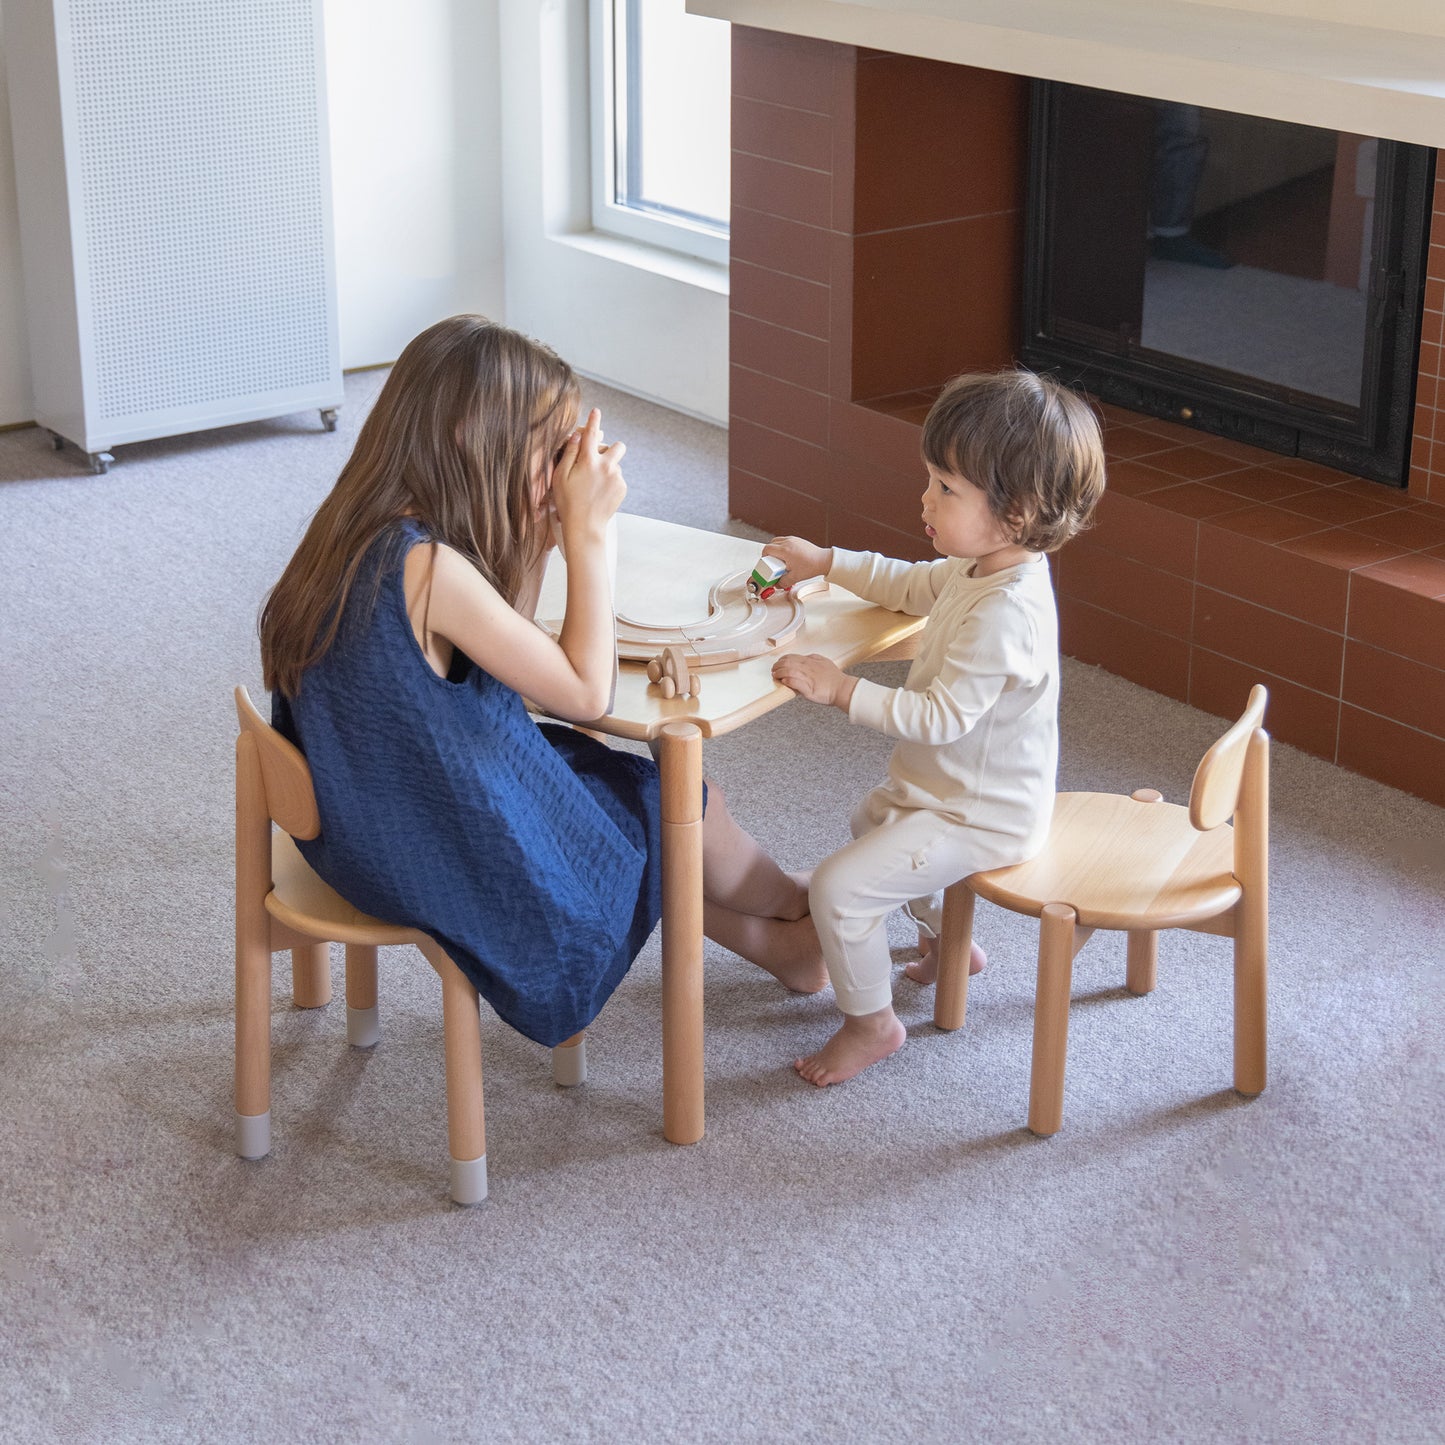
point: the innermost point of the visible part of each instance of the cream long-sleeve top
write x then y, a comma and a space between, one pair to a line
976, 720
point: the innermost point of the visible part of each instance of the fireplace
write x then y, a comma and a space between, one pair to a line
870, 263
1260, 279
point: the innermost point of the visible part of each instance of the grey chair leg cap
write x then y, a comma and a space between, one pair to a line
569, 1065
253, 1135
363, 1027
469, 1180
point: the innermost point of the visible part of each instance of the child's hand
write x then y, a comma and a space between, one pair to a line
587, 484
815, 678
802, 559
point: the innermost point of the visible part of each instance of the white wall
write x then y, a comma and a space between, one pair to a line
15, 402
649, 322
416, 172
416, 167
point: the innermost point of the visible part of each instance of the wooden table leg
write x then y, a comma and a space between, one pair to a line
680, 760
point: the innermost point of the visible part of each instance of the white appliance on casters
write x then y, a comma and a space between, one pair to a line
173, 176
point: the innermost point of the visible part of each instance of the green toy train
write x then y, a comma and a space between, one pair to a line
766, 578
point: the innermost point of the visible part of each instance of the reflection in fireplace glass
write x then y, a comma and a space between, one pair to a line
1239, 243
1259, 247
1257, 278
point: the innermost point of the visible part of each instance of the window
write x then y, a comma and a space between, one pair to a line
660, 125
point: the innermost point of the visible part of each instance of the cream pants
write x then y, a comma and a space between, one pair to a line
899, 858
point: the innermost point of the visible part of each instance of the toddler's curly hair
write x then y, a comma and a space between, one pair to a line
1032, 446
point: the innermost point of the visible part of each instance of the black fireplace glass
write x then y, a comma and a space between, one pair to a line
1253, 278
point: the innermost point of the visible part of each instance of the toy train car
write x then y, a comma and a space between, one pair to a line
766, 578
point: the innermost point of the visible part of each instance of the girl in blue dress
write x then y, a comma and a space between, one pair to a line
398, 646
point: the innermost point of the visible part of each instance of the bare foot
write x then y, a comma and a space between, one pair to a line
925, 970
799, 906
862, 1040
792, 955
787, 948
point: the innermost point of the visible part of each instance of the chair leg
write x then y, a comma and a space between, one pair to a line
363, 1027
1143, 961
569, 1061
466, 1120
1251, 994
1051, 1018
253, 956
1251, 919
311, 976
253, 1048
950, 999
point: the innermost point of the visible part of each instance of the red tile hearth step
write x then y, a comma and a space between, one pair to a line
1213, 565
1329, 589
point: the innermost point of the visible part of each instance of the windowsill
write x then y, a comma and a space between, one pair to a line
690, 270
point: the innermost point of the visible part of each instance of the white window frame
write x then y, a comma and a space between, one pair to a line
671, 232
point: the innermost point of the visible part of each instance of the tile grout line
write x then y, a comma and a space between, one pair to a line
779, 161
1344, 653
1193, 609
773, 271
778, 326
783, 105
768, 376
942, 221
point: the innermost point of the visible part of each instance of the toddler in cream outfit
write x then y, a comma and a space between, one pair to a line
1015, 467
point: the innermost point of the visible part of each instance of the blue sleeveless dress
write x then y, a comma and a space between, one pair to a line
531, 854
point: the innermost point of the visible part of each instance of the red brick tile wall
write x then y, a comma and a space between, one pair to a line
847, 193
1427, 455
1212, 565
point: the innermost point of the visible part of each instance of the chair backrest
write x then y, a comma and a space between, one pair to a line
1214, 797
290, 797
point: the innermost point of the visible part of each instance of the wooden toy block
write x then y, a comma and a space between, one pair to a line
669, 671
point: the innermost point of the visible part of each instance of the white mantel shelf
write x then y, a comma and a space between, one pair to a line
1299, 60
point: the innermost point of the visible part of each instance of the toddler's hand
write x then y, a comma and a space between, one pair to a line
815, 678
587, 484
803, 559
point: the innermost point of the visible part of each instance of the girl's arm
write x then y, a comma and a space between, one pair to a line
531, 592
569, 677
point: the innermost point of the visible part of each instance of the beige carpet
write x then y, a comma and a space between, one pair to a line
897, 1259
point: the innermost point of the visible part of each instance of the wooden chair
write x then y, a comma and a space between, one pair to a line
1141, 865
281, 903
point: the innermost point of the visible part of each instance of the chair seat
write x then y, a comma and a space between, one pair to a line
300, 900
1121, 863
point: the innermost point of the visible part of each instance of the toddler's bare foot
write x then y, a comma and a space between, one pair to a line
793, 955
863, 1040
925, 970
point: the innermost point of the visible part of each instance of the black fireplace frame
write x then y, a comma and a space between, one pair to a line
1371, 441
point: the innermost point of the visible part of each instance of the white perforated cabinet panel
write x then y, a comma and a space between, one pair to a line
201, 187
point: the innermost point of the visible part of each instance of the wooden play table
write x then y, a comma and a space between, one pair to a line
664, 574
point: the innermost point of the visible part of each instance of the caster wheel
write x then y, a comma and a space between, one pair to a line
328, 417
57, 442
100, 462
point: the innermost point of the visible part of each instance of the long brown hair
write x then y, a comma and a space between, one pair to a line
1032, 446
448, 441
